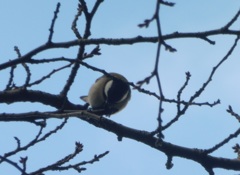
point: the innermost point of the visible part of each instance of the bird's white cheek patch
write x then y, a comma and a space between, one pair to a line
107, 87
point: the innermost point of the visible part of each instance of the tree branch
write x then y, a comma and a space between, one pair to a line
24, 95
207, 161
121, 41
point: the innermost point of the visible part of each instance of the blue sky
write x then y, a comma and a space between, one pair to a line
26, 25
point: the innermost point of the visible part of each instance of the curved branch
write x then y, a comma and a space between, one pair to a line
14, 164
166, 147
24, 95
119, 41
207, 161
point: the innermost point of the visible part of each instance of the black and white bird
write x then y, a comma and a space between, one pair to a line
109, 94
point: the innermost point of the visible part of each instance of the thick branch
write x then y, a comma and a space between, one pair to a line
145, 137
23, 95
121, 41
168, 148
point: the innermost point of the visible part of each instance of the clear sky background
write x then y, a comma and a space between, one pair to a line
25, 24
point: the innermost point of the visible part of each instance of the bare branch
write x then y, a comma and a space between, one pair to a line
23, 95
169, 163
74, 23
226, 27
36, 140
202, 88
188, 75
230, 111
49, 75
89, 15
171, 4
78, 149
16, 49
78, 166
80, 56
53, 22
23, 161
168, 148
14, 164
121, 41
10, 81
18, 142
226, 140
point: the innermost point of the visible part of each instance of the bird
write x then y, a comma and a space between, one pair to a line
108, 95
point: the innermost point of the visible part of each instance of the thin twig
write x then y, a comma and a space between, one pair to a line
202, 88
81, 51
188, 75
51, 29
230, 111
10, 81
49, 75
37, 139
74, 23
46, 60
25, 66
78, 149
78, 167
171, 4
28, 77
118, 41
14, 164
225, 141
235, 17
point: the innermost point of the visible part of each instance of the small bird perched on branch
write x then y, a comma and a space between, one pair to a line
109, 94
